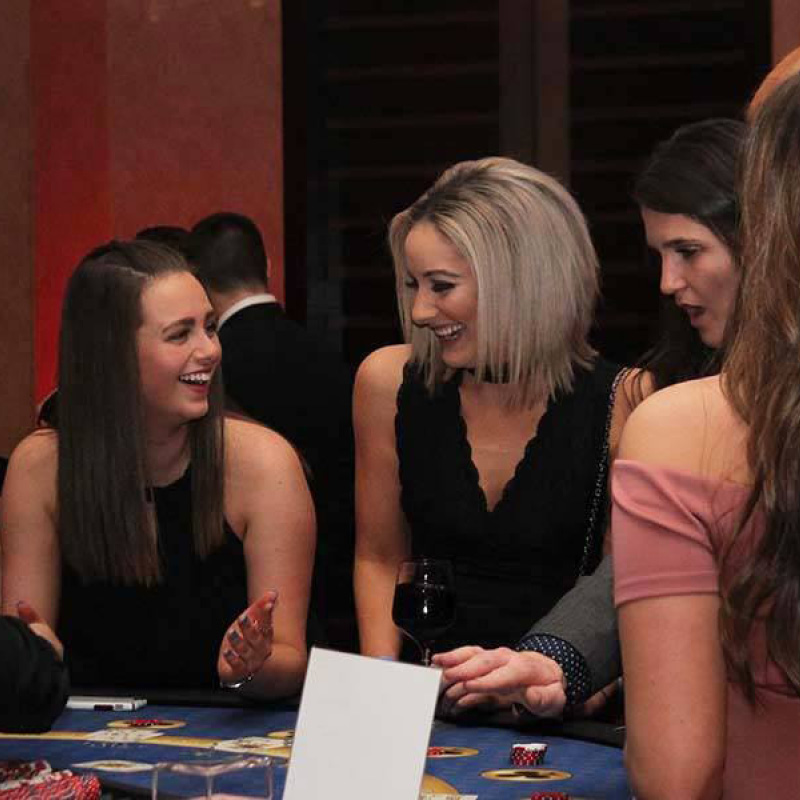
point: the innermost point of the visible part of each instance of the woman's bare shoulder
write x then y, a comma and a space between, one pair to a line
681, 425
250, 445
31, 480
37, 452
382, 370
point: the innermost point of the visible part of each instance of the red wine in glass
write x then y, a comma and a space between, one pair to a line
424, 602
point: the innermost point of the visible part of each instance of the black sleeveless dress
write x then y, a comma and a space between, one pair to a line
512, 563
164, 636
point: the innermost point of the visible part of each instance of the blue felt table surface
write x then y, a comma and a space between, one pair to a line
596, 770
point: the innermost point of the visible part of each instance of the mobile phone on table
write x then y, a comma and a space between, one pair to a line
89, 703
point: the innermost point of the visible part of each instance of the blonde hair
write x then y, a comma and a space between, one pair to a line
528, 246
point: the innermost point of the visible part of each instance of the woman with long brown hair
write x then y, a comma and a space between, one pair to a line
152, 533
706, 523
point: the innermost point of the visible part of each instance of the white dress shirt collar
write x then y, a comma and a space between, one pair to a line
252, 300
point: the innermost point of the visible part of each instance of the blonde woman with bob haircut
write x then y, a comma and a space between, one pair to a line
485, 438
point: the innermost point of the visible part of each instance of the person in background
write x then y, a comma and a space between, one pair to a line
168, 546
171, 235
706, 522
687, 196
276, 372
486, 439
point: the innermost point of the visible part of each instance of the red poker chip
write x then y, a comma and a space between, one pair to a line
46, 785
145, 723
436, 751
549, 796
528, 755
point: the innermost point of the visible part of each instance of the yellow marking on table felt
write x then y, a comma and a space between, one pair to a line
430, 783
433, 785
526, 774
168, 741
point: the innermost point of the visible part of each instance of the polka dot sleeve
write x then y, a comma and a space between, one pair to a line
573, 664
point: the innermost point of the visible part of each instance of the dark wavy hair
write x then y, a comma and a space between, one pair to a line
105, 527
693, 173
761, 379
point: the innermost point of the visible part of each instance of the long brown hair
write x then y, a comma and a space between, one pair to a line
761, 378
105, 529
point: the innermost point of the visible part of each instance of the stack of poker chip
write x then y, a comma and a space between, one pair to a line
528, 755
35, 779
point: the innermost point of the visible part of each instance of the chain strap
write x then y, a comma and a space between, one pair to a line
602, 471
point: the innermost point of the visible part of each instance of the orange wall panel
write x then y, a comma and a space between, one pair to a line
144, 118
72, 208
16, 253
195, 115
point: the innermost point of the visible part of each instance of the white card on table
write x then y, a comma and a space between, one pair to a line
363, 729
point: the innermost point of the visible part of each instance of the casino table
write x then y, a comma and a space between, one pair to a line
465, 759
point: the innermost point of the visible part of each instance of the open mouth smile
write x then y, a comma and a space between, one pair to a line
195, 378
448, 332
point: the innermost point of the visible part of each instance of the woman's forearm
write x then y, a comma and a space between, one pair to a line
281, 675
374, 594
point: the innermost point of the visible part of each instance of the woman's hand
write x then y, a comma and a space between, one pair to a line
28, 614
248, 642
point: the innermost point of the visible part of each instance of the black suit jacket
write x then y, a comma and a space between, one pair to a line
275, 371
33, 682
585, 617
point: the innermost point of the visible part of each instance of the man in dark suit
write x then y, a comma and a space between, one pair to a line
277, 373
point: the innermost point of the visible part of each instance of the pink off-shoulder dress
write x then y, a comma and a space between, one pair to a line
664, 522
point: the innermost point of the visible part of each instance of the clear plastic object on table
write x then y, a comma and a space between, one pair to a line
220, 778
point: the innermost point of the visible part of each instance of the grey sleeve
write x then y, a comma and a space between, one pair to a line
585, 617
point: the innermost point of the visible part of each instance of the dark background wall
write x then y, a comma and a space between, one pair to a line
323, 119
396, 90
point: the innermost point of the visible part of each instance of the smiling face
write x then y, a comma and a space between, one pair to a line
697, 271
444, 294
178, 350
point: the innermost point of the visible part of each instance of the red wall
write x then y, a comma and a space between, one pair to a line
16, 249
143, 119
72, 200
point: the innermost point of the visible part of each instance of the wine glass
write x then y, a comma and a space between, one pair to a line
424, 602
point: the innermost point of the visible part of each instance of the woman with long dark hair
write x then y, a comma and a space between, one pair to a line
687, 196
152, 533
706, 523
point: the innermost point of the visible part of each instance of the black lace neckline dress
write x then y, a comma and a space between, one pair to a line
515, 561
